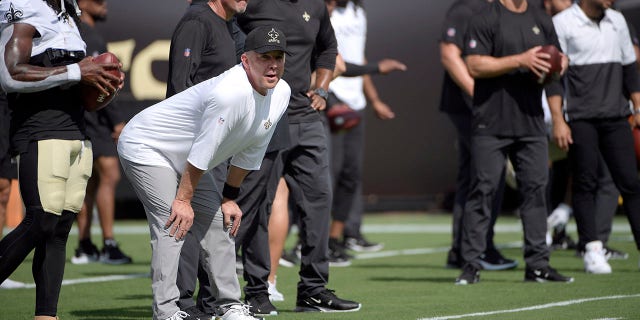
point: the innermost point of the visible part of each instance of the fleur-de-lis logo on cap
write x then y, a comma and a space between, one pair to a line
13, 15
273, 35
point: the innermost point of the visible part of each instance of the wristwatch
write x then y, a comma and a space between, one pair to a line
322, 92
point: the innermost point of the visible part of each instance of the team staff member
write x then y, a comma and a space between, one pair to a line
167, 149
305, 163
455, 101
41, 63
508, 121
202, 47
103, 127
602, 71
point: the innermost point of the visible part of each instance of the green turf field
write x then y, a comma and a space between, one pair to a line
406, 280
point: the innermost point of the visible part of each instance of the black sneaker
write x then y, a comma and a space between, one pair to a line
291, 258
562, 241
613, 254
260, 305
493, 260
470, 275
338, 256
325, 301
86, 252
454, 261
197, 314
546, 274
111, 253
360, 244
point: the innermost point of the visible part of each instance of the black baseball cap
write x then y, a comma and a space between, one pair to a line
264, 39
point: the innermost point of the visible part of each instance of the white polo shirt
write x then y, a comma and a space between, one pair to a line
206, 124
597, 51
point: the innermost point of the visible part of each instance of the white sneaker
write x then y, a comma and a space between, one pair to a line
548, 239
179, 315
10, 284
559, 217
237, 312
594, 259
274, 294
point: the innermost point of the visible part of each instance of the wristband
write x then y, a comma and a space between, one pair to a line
230, 192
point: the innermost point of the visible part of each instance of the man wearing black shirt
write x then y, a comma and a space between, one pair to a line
304, 159
457, 90
508, 121
203, 46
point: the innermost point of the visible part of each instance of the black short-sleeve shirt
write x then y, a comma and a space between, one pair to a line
508, 105
453, 99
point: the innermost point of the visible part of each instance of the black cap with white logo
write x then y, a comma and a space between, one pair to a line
265, 39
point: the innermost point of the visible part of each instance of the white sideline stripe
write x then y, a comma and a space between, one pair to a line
372, 228
89, 280
418, 251
538, 307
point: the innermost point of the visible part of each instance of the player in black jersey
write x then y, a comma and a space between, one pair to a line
40, 67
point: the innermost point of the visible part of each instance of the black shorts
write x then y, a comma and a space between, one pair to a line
8, 170
99, 131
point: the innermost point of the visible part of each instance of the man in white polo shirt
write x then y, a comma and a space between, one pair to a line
602, 76
169, 149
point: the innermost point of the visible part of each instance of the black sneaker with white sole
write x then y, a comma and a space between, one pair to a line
360, 244
325, 301
613, 254
86, 252
260, 305
493, 260
470, 275
546, 274
111, 253
196, 314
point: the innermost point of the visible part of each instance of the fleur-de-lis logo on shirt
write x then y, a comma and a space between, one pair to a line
306, 16
268, 124
13, 15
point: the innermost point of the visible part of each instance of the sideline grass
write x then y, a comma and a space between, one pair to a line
405, 286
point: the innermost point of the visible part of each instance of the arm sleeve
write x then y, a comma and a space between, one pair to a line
356, 70
326, 44
187, 44
9, 84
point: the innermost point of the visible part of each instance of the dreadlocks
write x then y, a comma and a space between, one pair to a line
70, 9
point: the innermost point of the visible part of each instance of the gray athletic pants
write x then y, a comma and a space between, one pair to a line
156, 188
529, 156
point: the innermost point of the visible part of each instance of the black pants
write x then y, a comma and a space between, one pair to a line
462, 122
529, 158
347, 149
612, 138
45, 232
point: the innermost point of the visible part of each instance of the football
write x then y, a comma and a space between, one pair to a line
342, 118
92, 98
556, 64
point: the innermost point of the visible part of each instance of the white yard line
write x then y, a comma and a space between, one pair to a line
88, 280
538, 307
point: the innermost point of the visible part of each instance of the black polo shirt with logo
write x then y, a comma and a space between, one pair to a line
508, 105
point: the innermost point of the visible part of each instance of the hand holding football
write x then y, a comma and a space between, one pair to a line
556, 64
92, 98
